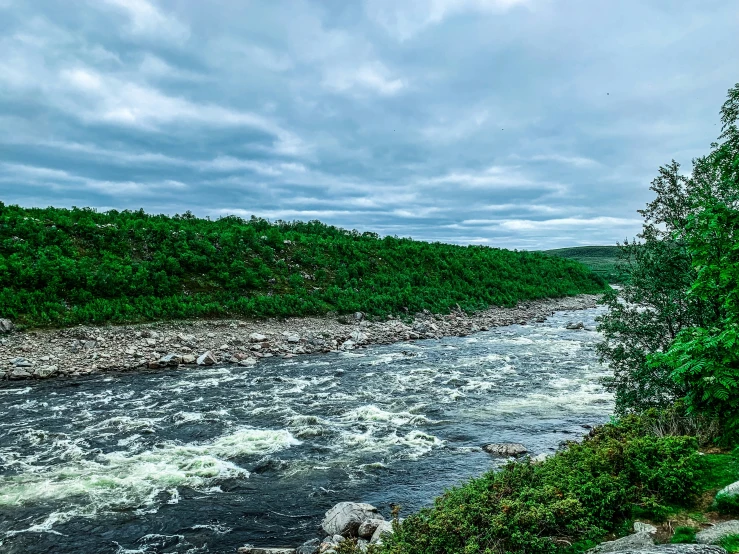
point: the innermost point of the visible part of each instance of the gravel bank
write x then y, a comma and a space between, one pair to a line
84, 350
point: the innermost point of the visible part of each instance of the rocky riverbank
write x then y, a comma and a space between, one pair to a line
84, 350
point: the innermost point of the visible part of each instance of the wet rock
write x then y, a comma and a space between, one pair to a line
368, 528
6, 326
505, 449
309, 547
359, 337
670, 549
629, 543
257, 337
345, 518
717, 532
383, 529
207, 359
641, 527
19, 373
348, 345
573, 326
260, 550
248, 362
45, 371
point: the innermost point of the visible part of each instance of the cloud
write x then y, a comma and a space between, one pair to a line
374, 77
405, 19
146, 19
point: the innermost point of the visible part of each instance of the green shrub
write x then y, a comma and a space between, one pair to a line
683, 535
571, 500
728, 505
64, 267
731, 543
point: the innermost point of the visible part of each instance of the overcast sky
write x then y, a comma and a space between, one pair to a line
514, 123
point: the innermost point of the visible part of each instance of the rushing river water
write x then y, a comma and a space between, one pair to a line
206, 460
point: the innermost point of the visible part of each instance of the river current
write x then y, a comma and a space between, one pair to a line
207, 460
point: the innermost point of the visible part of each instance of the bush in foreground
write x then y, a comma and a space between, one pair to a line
565, 504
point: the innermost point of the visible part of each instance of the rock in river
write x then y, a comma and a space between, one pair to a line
505, 449
345, 518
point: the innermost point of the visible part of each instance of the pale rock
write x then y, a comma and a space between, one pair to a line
6, 326
257, 337
248, 362
207, 359
629, 543
368, 528
719, 531
345, 518
348, 345
45, 371
641, 527
385, 528
505, 449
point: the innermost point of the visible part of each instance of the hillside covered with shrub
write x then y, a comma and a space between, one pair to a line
63, 267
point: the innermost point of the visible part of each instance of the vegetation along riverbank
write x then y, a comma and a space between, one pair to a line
664, 475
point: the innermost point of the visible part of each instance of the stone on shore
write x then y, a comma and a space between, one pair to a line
630, 543
671, 549
383, 529
45, 371
505, 449
6, 326
345, 518
260, 550
257, 337
717, 532
368, 528
207, 359
309, 547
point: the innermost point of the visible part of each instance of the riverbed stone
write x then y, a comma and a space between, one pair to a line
348, 345
575, 326
672, 549
260, 550
45, 371
257, 337
368, 528
19, 373
719, 531
383, 529
629, 543
6, 326
309, 547
505, 449
207, 358
345, 518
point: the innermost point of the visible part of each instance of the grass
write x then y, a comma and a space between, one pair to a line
602, 260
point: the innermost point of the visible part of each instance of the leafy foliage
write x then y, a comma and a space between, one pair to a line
602, 260
683, 535
63, 267
671, 332
568, 502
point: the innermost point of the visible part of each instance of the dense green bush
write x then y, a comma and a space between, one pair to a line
61, 267
567, 503
683, 535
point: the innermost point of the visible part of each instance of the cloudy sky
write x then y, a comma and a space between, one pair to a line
515, 123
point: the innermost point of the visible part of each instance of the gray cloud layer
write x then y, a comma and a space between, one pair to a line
514, 123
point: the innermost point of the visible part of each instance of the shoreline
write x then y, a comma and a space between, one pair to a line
88, 350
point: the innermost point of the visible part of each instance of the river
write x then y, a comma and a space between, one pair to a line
207, 460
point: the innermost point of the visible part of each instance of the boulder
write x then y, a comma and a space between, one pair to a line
19, 373
170, 360
359, 337
671, 549
574, 326
629, 543
21, 362
45, 371
368, 528
292, 337
345, 518
6, 326
348, 345
247, 362
714, 534
257, 337
640, 527
260, 550
189, 359
358, 316
384, 528
329, 544
309, 547
505, 449
207, 359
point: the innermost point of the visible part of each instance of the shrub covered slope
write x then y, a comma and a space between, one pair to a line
60, 267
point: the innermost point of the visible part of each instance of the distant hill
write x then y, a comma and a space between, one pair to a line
601, 260
63, 267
